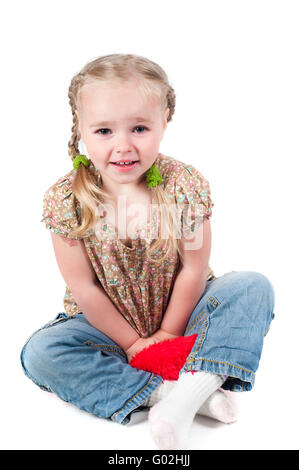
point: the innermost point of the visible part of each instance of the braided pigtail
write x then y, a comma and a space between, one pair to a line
84, 186
73, 143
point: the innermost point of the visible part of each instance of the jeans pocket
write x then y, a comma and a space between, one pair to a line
212, 303
198, 324
106, 349
62, 316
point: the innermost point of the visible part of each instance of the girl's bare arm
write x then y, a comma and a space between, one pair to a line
190, 281
79, 275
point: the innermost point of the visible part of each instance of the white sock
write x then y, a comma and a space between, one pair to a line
218, 406
160, 392
171, 418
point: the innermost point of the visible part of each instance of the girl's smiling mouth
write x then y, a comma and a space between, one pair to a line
124, 166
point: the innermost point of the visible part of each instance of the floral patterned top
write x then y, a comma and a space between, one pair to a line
139, 288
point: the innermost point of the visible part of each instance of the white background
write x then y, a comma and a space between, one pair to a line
234, 67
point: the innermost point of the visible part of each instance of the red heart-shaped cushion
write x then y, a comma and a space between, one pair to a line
165, 358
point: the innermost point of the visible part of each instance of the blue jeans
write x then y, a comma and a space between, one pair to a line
85, 367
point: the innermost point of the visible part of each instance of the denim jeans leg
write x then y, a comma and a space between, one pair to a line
231, 319
83, 366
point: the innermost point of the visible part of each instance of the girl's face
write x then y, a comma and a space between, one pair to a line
117, 122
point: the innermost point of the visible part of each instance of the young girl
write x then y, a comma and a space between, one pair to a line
134, 280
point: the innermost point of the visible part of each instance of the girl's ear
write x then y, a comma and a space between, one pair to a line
167, 113
165, 119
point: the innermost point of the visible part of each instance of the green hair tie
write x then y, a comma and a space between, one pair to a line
153, 177
80, 159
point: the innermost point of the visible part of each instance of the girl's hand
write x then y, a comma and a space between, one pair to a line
162, 335
142, 343
139, 345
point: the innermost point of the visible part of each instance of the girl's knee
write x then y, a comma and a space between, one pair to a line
37, 354
261, 296
255, 283
258, 293
260, 283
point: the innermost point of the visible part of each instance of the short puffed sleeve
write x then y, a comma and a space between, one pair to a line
60, 210
193, 198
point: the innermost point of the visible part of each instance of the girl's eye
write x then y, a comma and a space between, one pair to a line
99, 131
104, 129
140, 127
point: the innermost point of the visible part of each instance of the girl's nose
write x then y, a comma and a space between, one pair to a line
123, 144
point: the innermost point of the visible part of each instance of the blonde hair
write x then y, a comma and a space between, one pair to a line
153, 82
